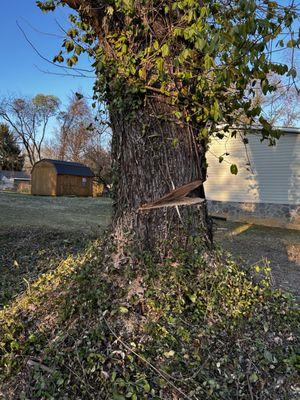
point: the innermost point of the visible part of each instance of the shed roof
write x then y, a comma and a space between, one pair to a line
70, 168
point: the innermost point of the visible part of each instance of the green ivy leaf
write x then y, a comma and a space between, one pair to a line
200, 44
146, 387
253, 377
233, 169
69, 46
165, 50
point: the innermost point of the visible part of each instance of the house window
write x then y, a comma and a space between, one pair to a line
83, 182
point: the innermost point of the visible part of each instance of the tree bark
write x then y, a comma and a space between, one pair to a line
152, 156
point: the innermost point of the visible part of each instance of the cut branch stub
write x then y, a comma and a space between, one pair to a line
177, 197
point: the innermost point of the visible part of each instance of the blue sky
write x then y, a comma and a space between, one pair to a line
19, 63
18, 71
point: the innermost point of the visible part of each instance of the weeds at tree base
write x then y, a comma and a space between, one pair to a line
175, 330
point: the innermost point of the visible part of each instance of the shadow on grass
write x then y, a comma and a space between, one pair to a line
27, 253
60, 301
251, 244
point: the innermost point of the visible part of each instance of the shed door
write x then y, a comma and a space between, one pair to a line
45, 180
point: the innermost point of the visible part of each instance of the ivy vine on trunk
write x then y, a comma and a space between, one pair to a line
171, 73
152, 156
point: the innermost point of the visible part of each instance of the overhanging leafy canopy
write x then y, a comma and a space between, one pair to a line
202, 57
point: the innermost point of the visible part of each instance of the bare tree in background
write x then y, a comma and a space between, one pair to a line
29, 119
72, 133
82, 137
99, 160
97, 154
281, 107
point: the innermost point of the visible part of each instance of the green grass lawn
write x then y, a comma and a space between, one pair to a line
63, 213
36, 233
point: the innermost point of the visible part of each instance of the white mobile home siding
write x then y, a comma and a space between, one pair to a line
273, 175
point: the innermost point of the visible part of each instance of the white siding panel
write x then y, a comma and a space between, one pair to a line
273, 175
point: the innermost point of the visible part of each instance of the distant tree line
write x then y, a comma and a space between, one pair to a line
81, 134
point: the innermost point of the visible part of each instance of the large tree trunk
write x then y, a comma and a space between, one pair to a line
152, 156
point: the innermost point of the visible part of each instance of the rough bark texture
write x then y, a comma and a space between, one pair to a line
152, 156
